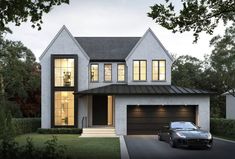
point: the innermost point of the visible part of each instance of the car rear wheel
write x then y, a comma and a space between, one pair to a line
172, 143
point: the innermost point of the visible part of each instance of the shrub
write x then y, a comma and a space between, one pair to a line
223, 127
10, 149
26, 125
60, 131
11, 106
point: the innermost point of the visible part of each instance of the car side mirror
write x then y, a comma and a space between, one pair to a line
166, 127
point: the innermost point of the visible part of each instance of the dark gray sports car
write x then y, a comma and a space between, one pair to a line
186, 134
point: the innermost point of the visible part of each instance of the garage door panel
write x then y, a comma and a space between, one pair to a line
160, 115
157, 120
147, 119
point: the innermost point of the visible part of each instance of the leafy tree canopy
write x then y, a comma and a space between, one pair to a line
18, 69
18, 11
223, 59
195, 15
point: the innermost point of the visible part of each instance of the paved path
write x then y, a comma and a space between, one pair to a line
148, 147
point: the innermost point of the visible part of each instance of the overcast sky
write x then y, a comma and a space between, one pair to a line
108, 18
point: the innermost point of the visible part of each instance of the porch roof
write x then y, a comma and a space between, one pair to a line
124, 89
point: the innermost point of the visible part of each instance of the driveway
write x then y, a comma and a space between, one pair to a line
148, 147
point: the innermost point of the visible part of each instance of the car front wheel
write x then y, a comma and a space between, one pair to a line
172, 143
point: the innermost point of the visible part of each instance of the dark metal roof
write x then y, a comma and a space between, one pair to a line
107, 48
124, 89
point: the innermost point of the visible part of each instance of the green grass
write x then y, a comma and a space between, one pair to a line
84, 148
225, 137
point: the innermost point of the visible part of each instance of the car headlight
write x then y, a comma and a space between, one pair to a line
180, 135
209, 136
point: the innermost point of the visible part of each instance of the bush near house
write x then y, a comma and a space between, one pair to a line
60, 131
26, 125
223, 127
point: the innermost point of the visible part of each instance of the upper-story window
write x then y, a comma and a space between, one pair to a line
121, 72
108, 72
159, 70
140, 70
64, 72
94, 72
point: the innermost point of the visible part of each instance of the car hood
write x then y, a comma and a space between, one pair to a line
194, 133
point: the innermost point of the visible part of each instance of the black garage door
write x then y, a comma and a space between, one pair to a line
149, 119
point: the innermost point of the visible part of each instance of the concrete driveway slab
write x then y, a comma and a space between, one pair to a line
148, 147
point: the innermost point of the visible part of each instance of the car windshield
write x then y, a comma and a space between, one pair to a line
183, 125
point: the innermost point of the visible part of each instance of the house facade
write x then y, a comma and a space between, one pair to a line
230, 104
118, 82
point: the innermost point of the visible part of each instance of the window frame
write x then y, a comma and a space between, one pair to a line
64, 88
139, 60
158, 60
98, 73
124, 72
111, 72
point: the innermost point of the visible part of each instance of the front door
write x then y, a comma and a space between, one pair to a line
100, 110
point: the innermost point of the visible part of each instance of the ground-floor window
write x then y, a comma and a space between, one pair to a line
64, 108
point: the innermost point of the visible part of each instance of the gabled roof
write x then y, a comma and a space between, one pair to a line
230, 92
107, 48
64, 28
124, 89
156, 38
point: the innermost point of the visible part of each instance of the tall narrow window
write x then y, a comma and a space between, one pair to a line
64, 72
159, 70
140, 70
108, 72
64, 108
162, 70
64, 84
121, 72
94, 72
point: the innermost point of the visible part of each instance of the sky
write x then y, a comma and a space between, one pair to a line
109, 18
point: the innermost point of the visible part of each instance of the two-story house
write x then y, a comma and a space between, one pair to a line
122, 83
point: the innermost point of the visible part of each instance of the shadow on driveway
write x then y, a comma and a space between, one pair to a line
148, 147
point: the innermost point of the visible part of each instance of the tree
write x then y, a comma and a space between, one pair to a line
19, 74
222, 60
17, 12
186, 72
195, 15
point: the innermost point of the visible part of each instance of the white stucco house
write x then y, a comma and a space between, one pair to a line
121, 83
230, 105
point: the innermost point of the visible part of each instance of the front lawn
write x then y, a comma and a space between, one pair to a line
84, 148
225, 137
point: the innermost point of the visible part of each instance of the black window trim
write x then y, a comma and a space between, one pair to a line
158, 60
61, 88
124, 72
139, 70
97, 81
111, 72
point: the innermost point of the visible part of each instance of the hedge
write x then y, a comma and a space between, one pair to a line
223, 127
60, 131
26, 125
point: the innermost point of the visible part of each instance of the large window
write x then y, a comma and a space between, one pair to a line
159, 70
64, 108
64, 72
121, 72
108, 72
64, 84
94, 72
140, 70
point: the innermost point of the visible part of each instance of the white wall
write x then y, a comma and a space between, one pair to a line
121, 103
230, 107
63, 44
149, 49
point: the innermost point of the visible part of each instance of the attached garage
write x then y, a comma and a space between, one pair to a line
149, 119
